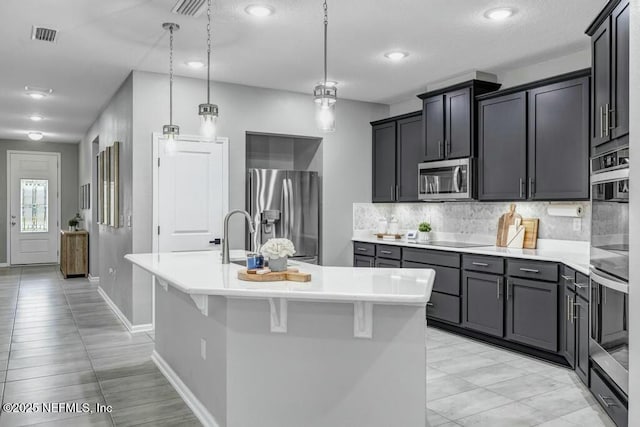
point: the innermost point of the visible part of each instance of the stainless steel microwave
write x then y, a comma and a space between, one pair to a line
446, 180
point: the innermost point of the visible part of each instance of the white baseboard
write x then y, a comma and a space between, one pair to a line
199, 410
94, 279
132, 328
3, 264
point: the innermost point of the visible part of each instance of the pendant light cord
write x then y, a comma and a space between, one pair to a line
326, 24
208, 51
171, 75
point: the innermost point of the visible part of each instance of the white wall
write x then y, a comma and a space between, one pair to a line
634, 220
511, 76
346, 152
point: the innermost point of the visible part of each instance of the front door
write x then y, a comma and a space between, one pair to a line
192, 195
33, 207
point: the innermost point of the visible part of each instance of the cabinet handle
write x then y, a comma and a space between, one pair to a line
480, 264
568, 309
614, 120
529, 270
386, 252
430, 304
521, 188
580, 285
572, 309
532, 186
605, 401
440, 149
601, 122
576, 311
362, 249
447, 147
568, 278
498, 288
606, 119
508, 284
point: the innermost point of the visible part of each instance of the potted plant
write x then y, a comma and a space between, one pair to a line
73, 223
277, 251
423, 231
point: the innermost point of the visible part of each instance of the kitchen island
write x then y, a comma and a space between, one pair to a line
345, 349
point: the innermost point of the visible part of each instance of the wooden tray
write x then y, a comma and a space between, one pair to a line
292, 275
388, 236
530, 232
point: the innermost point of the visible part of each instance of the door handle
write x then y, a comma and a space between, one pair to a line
440, 149
605, 400
614, 120
601, 122
521, 188
498, 288
606, 119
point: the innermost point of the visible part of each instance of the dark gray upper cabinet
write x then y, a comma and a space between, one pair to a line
433, 113
449, 120
532, 313
409, 156
384, 162
397, 150
558, 141
483, 303
457, 143
610, 84
567, 324
582, 338
502, 147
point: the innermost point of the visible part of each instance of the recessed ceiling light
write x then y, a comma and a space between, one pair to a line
36, 117
35, 136
396, 55
259, 10
37, 93
500, 13
196, 65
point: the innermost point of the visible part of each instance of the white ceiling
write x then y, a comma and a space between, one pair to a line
101, 41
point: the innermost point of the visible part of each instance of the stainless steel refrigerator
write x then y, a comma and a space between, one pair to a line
285, 204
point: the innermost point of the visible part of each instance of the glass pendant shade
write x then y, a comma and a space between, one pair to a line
208, 121
325, 98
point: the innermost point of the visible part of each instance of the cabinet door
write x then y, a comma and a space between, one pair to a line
388, 263
567, 325
601, 82
363, 261
483, 303
458, 124
409, 156
619, 118
559, 141
532, 313
502, 157
613, 325
384, 162
582, 338
433, 116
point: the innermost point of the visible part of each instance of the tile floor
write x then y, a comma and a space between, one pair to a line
470, 383
60, 342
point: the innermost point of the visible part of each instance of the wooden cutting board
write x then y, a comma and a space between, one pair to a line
504, 223
292, 275
530, 233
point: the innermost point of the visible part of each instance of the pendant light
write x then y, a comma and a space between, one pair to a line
171, 131
325, 94
208, 112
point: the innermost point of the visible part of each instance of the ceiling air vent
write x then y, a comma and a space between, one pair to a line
43, 34
189, 7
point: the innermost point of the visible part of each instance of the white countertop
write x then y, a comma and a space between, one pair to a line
202, 273
573, 254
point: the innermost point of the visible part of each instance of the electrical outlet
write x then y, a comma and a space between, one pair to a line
203, 349
577, 224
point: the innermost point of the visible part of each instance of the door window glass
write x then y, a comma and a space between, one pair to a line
34, 205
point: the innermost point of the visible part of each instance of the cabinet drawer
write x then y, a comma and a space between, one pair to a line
536, 270
483, 264
427, 256
447, 279
363, 261
361, 248
609, 400
582, 285
444, 307
568, 277
388, 251
387, 263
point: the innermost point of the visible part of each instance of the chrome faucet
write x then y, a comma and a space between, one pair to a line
225, 242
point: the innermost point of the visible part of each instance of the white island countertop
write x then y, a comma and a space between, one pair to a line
202, 273
573, 254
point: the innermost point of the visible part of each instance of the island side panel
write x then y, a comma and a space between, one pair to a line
317, 374
179, 328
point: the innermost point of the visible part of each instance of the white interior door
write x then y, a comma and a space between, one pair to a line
192, 194
34, 206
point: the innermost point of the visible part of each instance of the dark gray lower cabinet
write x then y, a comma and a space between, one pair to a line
388, 263
582, 339
447, 279
567, 324
363, 261
483, 303
444, 307
532, 313
609, 400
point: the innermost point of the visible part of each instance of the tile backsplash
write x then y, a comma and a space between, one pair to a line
480, 218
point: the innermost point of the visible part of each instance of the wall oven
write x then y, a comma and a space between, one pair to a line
446, 180
609, 344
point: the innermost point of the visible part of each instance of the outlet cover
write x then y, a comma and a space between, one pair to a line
203, 349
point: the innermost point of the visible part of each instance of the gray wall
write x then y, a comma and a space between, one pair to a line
346, 152
69, 187
115, 123
634, 212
